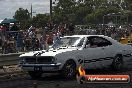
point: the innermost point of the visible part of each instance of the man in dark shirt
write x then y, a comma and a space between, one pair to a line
71, 29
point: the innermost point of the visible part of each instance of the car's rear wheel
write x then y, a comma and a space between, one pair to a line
117, 63
69, 69
35, 74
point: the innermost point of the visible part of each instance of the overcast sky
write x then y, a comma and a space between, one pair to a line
8, 7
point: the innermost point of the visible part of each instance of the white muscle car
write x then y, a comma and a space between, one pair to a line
69, 52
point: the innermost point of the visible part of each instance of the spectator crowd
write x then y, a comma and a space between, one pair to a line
13, 40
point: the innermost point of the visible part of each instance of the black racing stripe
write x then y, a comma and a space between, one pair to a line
100, 59
80, 61
35, 54
127, 55
108, 58
38, 54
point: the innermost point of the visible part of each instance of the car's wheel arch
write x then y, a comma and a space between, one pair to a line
69, 60
64, 69
120, 56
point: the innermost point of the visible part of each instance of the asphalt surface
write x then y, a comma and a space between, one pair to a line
56, 81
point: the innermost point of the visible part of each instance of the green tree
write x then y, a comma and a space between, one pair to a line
40, 20
23, 16
96, 17
81, 12
64, 10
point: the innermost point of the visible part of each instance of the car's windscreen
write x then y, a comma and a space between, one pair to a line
67, 41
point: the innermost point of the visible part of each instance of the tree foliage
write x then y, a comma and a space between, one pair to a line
23, 16
88, 11
64, 10
79, 12
40, 20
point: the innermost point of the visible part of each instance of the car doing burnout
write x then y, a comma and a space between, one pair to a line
69, 52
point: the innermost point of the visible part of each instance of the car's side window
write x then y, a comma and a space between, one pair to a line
98, 42
87, 44
106, 42
81, 42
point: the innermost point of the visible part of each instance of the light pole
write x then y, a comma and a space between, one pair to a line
50, 9
31, 11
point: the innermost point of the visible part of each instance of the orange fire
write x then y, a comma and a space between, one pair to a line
81, 71
83, 78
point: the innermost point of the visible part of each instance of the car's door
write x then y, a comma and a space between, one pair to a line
92, 54
109, 51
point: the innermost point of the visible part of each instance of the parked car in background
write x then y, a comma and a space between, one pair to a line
89, 51
126, 40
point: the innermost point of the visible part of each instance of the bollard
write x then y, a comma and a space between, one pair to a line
35, 85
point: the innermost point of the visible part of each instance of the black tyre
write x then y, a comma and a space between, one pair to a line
69, 69
117, 63
35, 74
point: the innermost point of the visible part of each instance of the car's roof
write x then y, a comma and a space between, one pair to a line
106, 37
83, 35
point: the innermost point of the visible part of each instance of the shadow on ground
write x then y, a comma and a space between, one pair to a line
106, 71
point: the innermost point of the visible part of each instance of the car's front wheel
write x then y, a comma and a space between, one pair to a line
35, 74
117, 63
69, 69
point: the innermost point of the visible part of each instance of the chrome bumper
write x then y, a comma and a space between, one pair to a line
40, 67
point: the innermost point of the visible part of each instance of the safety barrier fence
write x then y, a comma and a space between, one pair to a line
9, 59
9, 64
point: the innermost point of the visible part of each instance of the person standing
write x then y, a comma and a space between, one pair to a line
32, 36
56, 40
4, 47
19, 42
71, 29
